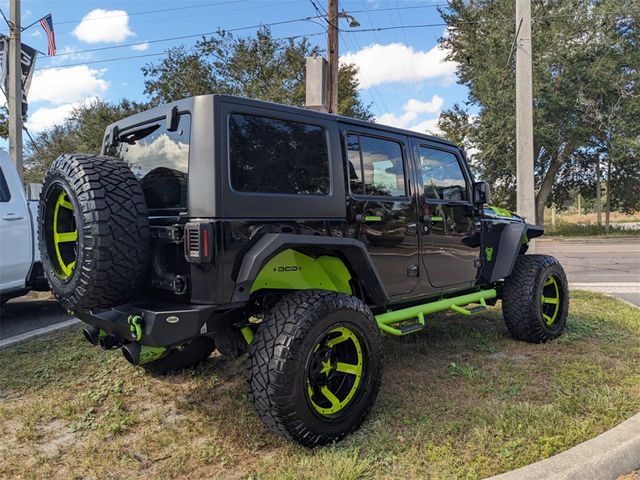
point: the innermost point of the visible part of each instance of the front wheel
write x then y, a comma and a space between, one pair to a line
535, 299
315, 366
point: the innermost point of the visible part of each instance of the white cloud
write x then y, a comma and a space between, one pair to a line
432, 106
412, 109
108, 26
35, 33
428, 126
46, 117
68, 54
66, 85
397, 62
140, 47
394, 120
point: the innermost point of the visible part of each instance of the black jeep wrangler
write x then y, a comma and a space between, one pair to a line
229, 223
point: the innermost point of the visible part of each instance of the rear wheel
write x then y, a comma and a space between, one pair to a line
93, 231
535, 299
315, 366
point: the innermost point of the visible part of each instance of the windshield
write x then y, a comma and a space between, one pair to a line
160, 160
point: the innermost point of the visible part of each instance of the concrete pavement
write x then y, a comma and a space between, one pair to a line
606, 265
30, 313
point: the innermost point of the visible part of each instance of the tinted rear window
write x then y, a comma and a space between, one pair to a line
269, 155
160, 160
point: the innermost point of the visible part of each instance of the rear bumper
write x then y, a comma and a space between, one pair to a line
164, 324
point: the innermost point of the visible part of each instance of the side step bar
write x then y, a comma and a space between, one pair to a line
417, 313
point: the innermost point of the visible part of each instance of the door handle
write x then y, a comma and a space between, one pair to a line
368, 218
432, 218
12, 216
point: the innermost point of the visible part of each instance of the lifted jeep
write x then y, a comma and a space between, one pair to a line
229, 223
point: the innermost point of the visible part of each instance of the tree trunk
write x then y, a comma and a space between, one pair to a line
546, 187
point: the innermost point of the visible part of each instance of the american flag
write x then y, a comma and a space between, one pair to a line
47, 24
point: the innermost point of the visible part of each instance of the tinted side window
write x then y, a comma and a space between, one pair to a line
441, 175
268, 155
160, 160
5, 195
376, 166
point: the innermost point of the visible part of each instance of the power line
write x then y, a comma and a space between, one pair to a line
183, 37
146, 12
145, 55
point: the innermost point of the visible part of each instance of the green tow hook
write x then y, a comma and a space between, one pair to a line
135, 326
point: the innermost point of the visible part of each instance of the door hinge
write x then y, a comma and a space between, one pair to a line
412, 270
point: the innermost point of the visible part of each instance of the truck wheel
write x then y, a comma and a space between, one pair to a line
188, 356
93, 231
315, 366
535, 299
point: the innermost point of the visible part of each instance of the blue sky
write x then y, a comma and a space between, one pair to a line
403, 73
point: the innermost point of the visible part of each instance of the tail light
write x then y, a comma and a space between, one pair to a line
198, 242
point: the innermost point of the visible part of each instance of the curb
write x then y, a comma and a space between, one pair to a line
7, 342
613, 287
607, 456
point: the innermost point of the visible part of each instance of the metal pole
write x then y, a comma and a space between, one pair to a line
15, 87
526, 205
333, 55
598, 193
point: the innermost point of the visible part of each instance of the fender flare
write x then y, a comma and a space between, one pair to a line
351, 251
501, 245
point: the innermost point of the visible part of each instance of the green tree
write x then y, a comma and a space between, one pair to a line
585, 69
82, 132
261, 67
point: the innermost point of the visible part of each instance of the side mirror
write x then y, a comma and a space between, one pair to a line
481, 193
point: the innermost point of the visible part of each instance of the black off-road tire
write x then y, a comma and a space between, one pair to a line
111, 220
277, 369
192, 354
522, 299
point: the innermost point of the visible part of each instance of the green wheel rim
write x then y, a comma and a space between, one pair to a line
550, 300
335, 371
64, 235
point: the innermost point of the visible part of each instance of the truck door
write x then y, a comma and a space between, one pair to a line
15, 231
382, 210
450, 237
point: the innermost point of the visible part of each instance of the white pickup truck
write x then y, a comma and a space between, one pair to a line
20, 267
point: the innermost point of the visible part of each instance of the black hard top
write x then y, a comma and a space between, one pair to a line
187, 103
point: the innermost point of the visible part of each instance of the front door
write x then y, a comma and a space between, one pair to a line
382, 209
15, 234
451, 240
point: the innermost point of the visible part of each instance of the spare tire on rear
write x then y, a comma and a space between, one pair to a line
93, 231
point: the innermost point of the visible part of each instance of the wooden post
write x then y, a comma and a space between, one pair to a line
334, 52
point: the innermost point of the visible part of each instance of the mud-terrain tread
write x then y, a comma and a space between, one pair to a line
192, 354
521, 294
115, 232
272, 353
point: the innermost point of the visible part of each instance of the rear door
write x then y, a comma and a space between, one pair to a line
15, 231
450, 234
382, 209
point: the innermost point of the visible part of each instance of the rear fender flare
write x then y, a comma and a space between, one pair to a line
317, 252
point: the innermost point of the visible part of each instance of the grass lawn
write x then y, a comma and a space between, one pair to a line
459, 400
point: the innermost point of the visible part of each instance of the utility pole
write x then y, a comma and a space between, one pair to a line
334, 52
15, 87
598, 193
526, 205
